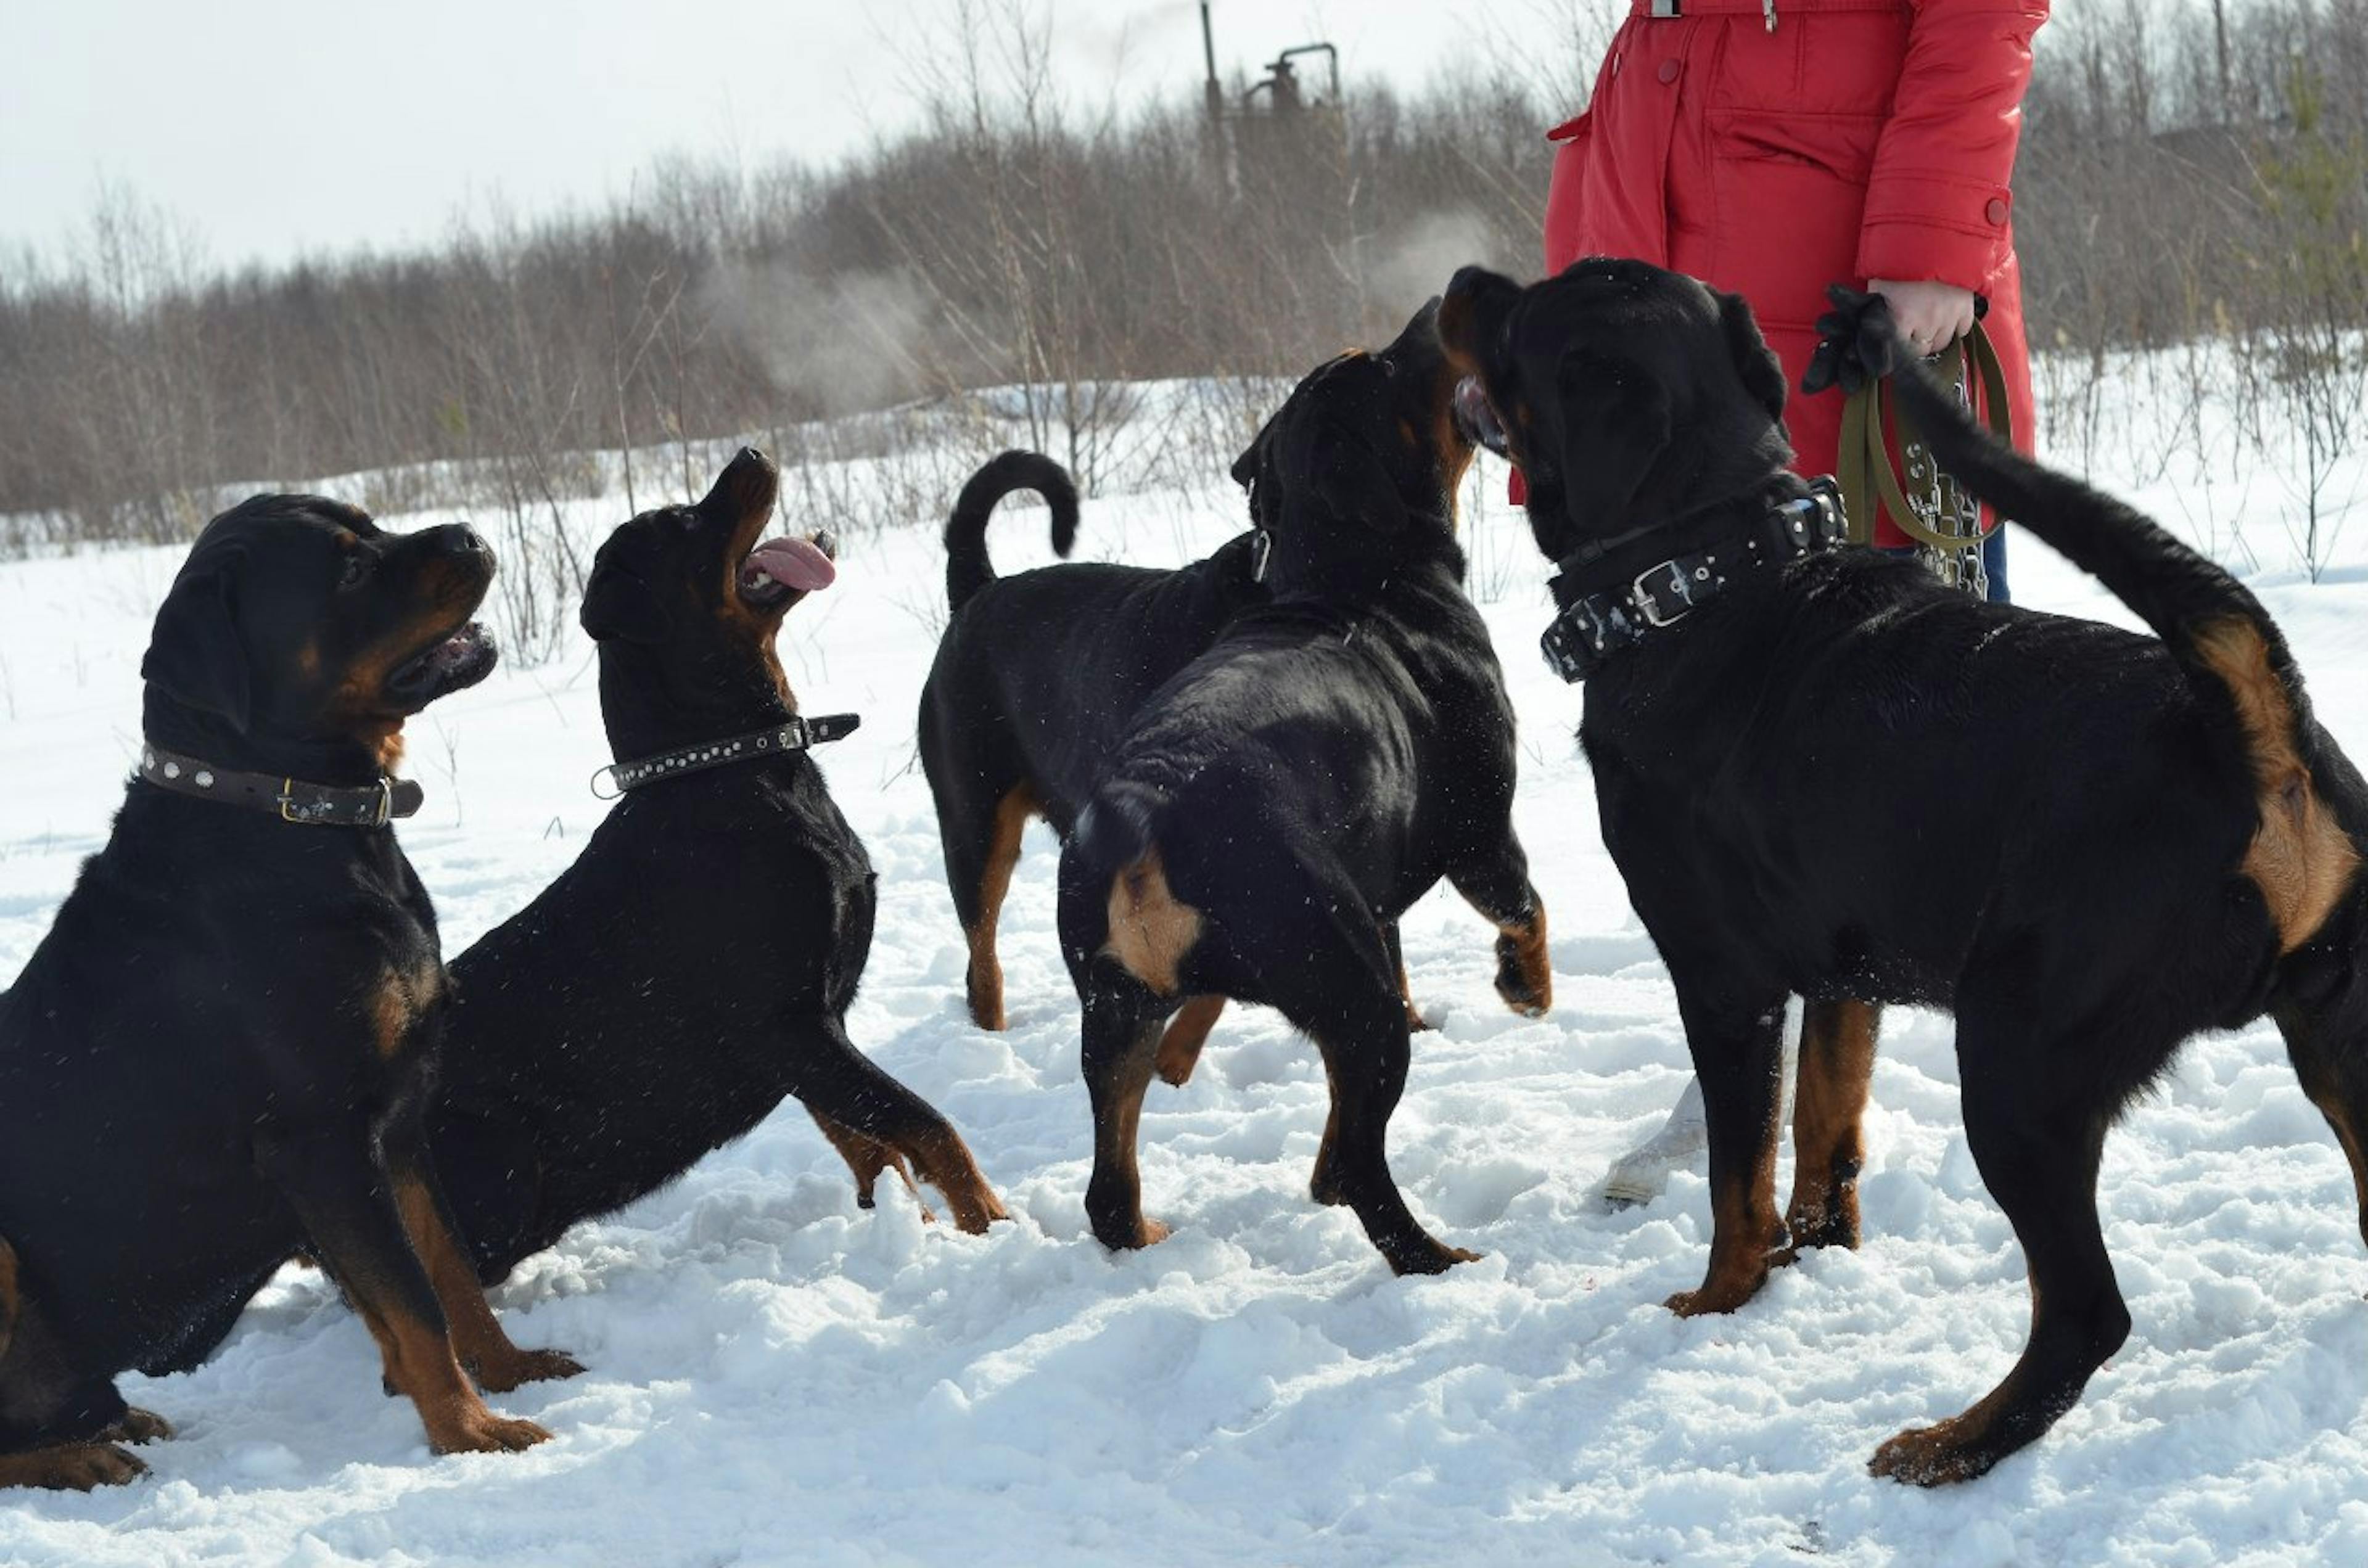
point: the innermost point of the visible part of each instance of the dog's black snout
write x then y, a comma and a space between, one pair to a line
459, 538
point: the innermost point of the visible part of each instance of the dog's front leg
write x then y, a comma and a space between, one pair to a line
1497, 885
1121, 1043
477, 1335
346, 1201
1738, 1042
1828, 1113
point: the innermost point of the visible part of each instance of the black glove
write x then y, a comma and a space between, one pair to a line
1857, 342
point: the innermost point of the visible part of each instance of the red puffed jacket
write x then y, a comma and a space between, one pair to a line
1772, 147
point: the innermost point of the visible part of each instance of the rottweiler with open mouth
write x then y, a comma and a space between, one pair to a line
1276, 806
220, 1053
695, 965
1824, 773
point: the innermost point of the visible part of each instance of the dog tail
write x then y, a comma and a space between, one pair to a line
967, 567
2234, 657
1117, 825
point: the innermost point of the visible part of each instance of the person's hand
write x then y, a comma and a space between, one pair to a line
1931, 315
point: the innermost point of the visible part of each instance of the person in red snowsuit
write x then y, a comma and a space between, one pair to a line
1772, 147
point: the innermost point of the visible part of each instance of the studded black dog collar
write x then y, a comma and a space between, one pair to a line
1595, 626
290, 800
799, 734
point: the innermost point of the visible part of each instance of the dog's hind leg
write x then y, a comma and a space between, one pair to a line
2321, 1007
1416, 1022
37, 1391
1119, 1048
1736, 1037
838, 1085
980, 854
1838, 1042
1497, 885
1326, 966
2039, 1159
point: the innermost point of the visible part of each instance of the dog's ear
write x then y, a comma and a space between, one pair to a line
1471, 315
1762, 372
619, 606
1354, 482
194, 655
1250, 470
1616, 424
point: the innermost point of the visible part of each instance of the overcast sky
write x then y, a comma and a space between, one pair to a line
277, 127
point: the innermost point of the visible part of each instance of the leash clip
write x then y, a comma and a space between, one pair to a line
1260, 548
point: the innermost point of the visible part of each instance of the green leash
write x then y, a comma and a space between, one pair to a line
1941, 518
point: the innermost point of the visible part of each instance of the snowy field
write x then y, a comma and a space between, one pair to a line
778, 1377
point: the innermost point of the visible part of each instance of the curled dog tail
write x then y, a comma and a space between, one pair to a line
2234, 656
967, 567
1116, 828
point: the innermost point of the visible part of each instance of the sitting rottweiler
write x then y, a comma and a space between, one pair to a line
695, 964
1823, 772
220, 1052
1276, 806
1034, 682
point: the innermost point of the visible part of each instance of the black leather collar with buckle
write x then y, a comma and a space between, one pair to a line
1593, 627
780, 740
290, 800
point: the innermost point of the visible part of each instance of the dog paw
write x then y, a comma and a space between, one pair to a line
137, 1425
528, 1367
1427, 1256
1715, 1297
975, 1209
482, 1432
72, 1467
1939, 1455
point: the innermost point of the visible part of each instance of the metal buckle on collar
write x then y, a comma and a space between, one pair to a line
1260, 548
1648, 607
288, 805
1666, 8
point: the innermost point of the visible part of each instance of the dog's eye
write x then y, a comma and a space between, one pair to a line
355, 572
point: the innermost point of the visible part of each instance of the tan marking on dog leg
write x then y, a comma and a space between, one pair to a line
418, 1363
1838, 1040
11, 1294
476, 1337
1150, 931
2301, 859
2354, 1149
1525, 967
1188, 1031
867, 1157
984, 981
1743, 1229
941, 1158
398, 1003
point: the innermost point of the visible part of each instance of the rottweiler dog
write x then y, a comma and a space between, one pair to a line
220, 1053
1035, 680
695, 965
1823, 772
1276, 806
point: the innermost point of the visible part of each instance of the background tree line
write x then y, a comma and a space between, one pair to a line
2192, 172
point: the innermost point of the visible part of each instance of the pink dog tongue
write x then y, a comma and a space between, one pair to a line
796, 563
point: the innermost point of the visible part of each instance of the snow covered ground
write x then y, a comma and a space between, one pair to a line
778, 1377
